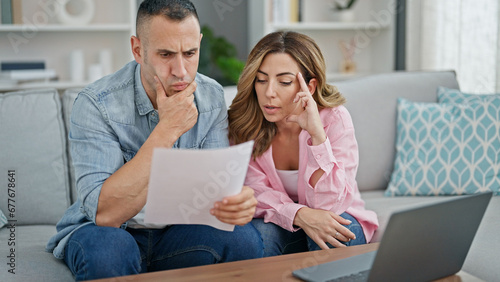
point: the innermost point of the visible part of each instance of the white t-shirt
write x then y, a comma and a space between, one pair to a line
289, 179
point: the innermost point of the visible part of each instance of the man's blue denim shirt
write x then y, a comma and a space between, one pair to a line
110, 120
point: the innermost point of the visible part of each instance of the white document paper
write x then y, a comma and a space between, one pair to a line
185, 184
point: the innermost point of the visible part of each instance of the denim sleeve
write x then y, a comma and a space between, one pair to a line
95, 151
217, 135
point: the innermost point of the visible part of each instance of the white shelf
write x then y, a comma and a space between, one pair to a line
337, 76
43, 37
331, 77
60, 85
59, 28
302, 26
370, 36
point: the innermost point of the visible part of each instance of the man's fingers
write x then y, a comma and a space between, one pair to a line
240, 217
245, 194
160, 91
243, 201
189, 90
228, 215
248, 204
238, 209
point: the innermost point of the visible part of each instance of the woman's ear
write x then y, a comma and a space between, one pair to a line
313, 83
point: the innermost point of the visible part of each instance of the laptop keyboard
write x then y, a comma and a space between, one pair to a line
360, 276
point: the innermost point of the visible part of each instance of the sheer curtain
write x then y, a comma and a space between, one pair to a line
460, 35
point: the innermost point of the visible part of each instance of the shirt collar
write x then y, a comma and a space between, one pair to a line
144, 105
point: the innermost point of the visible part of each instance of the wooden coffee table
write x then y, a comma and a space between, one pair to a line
278, 268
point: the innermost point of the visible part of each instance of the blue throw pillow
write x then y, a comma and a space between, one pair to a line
446, 149
455, 96
3, 219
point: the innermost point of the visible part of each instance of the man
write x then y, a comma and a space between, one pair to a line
157, 101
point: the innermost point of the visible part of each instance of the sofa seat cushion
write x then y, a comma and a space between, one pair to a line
32, 262
384, 206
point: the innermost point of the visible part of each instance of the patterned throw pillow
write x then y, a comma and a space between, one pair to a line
446, 149
454, 96
3, 219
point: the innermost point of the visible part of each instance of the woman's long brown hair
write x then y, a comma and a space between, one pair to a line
246, 121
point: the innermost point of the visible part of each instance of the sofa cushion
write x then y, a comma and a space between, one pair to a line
445, 149
33, 143
455, 96
384, 206
371, 101
68, 99
31, 261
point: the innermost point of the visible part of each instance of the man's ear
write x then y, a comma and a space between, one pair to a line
313, 83
136, 46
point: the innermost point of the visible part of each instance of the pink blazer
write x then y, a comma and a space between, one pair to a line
336, 190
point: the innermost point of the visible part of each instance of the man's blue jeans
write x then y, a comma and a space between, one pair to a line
96, 252
278, 241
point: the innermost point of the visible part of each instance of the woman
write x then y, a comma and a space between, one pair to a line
305, 157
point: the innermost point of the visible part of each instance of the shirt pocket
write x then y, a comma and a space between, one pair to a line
188, 142
128, 154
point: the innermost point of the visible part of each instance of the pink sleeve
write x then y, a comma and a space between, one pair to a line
338, 158
274, 204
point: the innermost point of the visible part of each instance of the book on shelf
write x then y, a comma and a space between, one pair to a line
13, 77
17, 11
11, 11
294, 11
286, 11
26, 75
22, 65
6, 9
13, 73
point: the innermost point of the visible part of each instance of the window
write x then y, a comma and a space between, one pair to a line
462, 35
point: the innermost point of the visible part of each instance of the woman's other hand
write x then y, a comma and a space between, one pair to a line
324, 227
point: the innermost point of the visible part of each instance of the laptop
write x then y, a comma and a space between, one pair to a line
419, 244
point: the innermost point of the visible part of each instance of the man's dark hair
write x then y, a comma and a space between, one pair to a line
176, 10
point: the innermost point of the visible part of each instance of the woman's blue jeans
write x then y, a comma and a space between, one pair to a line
96, 252
278, 241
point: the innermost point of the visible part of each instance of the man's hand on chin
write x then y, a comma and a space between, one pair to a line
178, 112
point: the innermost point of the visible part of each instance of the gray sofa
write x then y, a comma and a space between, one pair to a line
33, 127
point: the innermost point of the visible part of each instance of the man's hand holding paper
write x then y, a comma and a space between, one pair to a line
200, 187
236, 210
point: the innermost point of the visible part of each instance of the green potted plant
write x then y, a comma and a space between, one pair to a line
218, 58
